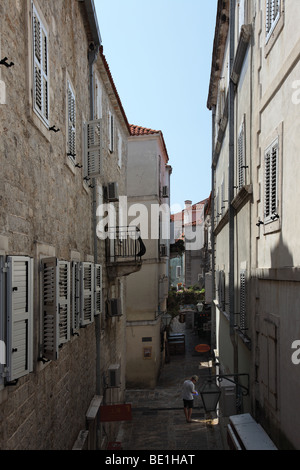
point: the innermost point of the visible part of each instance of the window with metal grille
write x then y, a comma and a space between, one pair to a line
271, 190
272, 16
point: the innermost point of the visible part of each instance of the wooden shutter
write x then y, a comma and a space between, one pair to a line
75, 297
87, 293
98, 289
64, 301
71, 123
93, 148
49, 303
40, 64
19, 316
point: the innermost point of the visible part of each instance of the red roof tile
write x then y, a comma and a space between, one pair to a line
139, 130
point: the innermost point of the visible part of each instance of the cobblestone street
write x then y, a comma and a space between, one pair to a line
158, 421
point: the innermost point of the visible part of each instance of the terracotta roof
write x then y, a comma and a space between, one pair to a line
195, 213
139, 130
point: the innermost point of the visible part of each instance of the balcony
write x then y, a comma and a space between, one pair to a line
124, 251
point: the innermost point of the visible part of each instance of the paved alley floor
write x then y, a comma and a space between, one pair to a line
158, 421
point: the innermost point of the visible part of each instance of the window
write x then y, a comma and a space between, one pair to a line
16, 281
93, 148
271, 182
120, 145
272, 16
40, 67
98, 98
55, 306
178, 271
243, 299
241, 156
111, 131
71, 147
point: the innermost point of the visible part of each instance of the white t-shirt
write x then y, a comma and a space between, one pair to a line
187, 390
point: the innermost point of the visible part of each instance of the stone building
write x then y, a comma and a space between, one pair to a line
254, 99
149, 174
63, 152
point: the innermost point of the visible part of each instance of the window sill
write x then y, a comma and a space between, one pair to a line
272, 226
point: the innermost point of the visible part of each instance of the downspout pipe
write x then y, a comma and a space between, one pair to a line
92, 57
231, 185
213, 254
93, 53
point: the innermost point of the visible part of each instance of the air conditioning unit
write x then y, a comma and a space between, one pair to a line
163, 250
114, 375
114, 308
165, 192
112, 192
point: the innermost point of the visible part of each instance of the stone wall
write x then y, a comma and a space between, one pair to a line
46, 210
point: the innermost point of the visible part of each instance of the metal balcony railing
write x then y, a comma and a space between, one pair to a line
124, 244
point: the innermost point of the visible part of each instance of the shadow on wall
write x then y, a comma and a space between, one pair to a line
281, 257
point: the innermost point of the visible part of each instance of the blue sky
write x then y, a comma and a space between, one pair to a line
159, 54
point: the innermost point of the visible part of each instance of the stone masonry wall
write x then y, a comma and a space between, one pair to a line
46, 209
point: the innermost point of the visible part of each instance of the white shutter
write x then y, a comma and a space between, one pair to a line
271, 190
87, 293
19, 316
40, 64
49, 303
98, 289
93, 148
71, 122
241, 156
64, 301
75, 297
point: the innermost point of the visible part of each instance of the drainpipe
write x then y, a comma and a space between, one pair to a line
231, 187
212, 219
93, 53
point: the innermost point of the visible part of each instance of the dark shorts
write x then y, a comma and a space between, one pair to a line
188, 403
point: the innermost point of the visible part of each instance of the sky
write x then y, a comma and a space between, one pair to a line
159, 54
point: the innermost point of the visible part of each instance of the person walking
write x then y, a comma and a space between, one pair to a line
188, 393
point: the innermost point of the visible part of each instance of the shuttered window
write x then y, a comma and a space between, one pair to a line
40, 67
272, 16
271, 178
87, 293
93, 148
19, 295
98, 289
221, 289
75, 297
241, 156
243, 300
71, 123
55, 300
111, 131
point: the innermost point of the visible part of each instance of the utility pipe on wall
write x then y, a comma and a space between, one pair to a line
231, 115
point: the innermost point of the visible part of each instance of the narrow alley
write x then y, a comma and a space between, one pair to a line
158, 421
